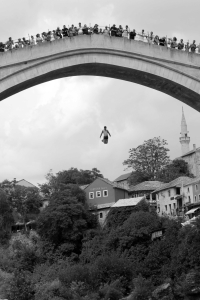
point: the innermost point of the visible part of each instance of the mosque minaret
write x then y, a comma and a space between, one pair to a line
184, 139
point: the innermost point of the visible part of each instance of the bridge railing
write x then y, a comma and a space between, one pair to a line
141, 37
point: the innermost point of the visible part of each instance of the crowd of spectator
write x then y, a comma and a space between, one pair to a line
72, 31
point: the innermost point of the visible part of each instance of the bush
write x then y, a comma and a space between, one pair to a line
21, 287
142, 289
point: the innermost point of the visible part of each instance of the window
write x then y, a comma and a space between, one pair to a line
105, 193
169, 193
98, 194
199, 197
91, 195
170, 207
189, 200
196, 187
166, 207
101, 215
158, 196
174, 205
188, 190
195, 198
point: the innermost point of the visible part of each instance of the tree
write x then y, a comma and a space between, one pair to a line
64, 222
175, 169
118, 215
72, 176
21, 287
137, 177
26, 200
149, 158
6, 217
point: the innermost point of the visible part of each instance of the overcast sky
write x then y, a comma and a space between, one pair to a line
57, 125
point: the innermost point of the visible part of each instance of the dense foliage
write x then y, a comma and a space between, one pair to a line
149, 158
70, 256
150, 161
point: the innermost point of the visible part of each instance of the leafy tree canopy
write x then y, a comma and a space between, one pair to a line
6, 217
64, 221
26, 201
149, 158
71, 176
175, 169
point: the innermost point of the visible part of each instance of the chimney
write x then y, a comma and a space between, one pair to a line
194, 146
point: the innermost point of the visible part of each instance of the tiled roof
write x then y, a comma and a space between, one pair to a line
146, 186
21, 180
102, 206
106, 181
193, 180
191, 151
83, 187
123, 177
106, 205
113, 184
128, 202
174, 183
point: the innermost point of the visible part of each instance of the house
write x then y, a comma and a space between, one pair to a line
172, 197
144, 188
191, 197
123, 180
101, 194
102, 211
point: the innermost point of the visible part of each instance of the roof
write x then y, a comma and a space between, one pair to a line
190, 221
106, 181
102, 206
191, 211
106, 205
128, 202
146, 186
193, 180
27, 183
176, 182
188, 153
83, 187
123, 177
113, 184
191, 151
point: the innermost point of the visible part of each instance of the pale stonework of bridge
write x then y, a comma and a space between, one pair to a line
174, 72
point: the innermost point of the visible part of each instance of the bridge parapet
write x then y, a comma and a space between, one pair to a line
171, 71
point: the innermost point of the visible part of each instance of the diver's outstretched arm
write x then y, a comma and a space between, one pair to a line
101, 133
109, 133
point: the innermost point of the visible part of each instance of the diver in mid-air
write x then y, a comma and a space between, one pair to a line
105, 133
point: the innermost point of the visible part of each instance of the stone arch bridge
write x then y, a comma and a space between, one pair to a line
174, 72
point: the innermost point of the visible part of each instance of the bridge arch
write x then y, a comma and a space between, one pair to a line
174, 72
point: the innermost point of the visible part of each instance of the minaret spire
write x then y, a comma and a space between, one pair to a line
184, 139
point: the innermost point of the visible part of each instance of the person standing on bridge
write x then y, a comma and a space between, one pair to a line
105, 133
193, 47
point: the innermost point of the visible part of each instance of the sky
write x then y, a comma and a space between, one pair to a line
57, 125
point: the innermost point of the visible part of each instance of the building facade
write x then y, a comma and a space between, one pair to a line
192, 157
101, 194
178, 196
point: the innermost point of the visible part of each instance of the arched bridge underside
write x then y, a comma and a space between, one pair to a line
174, 72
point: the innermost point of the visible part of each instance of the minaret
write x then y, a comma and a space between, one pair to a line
184, 139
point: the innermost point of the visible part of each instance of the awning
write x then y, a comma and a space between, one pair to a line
191, 211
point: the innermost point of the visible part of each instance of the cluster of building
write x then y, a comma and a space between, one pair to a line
180, 197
